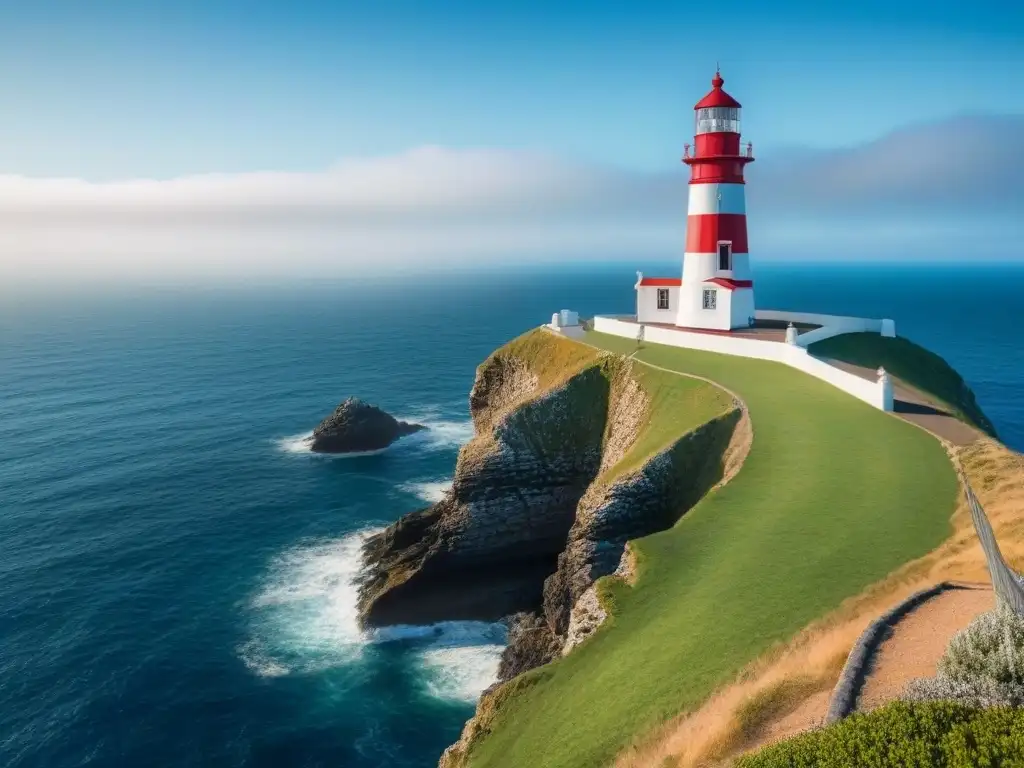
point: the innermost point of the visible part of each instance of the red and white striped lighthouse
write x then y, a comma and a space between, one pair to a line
717, 290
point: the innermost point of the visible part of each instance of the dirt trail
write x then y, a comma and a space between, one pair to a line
918, 641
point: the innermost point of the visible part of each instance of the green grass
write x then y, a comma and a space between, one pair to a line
833, 496
914, 365
675, 406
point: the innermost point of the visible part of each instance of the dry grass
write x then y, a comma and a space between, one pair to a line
782, 693
553, 358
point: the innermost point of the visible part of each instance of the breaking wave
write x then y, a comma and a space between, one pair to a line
304, 620
304, 444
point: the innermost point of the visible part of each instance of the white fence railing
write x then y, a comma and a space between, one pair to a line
831, 325
876, 393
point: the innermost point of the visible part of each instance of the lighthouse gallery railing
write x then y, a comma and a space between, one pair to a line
745, 150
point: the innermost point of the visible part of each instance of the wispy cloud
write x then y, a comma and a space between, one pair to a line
966, 164
433, 205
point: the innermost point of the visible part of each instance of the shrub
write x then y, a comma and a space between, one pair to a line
940, 734
983, 665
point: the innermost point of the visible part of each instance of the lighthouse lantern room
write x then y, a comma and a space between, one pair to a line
716, 290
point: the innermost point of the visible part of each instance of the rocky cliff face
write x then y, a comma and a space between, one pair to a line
484, 551
538, 511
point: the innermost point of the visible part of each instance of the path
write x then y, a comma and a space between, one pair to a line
918, 641
911, 405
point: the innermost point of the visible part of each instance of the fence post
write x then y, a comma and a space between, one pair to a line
791, 334
884, 389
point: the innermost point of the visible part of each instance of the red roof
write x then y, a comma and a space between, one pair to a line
730, 285
662, 281
717, 97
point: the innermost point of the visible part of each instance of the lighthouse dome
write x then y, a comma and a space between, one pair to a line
716, 96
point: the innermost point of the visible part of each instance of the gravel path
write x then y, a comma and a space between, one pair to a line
919, 640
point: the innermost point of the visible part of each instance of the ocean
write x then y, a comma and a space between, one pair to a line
176, 569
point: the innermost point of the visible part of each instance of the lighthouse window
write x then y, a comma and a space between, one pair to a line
710, 298
725, 256
663, 298
718, 120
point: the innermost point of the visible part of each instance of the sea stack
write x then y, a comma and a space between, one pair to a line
356, 427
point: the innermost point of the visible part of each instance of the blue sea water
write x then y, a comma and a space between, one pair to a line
176, 570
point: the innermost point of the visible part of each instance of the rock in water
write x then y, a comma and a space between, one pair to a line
357, 426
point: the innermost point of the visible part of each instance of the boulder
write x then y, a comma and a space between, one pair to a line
356, 426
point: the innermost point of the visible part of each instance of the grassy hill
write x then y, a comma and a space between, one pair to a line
832, 496
916, 366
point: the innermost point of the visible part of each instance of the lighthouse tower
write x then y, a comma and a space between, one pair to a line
716, 291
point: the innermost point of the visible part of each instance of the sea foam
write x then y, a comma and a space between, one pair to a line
304, 620
303, 444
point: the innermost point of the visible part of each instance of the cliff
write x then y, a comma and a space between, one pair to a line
575, 452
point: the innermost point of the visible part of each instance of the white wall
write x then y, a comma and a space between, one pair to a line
647, 304
703, 199
572, 331
730, 345
797, 357
698, 267
831, 325
692, 313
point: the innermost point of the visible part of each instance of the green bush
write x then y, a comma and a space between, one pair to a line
940, 734
982, 667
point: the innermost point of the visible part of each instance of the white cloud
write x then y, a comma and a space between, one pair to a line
428, 178
433, 206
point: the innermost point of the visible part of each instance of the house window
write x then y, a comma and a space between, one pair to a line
663, 298
725, 256
710, 298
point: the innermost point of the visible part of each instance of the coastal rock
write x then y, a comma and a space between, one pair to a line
356, 426
498, 532
531, 643
584, 619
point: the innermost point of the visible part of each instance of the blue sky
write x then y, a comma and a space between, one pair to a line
585, 106
113, 89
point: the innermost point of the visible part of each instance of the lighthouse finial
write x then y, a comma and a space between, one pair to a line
717, 81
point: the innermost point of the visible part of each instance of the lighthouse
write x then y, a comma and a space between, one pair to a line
716, 290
